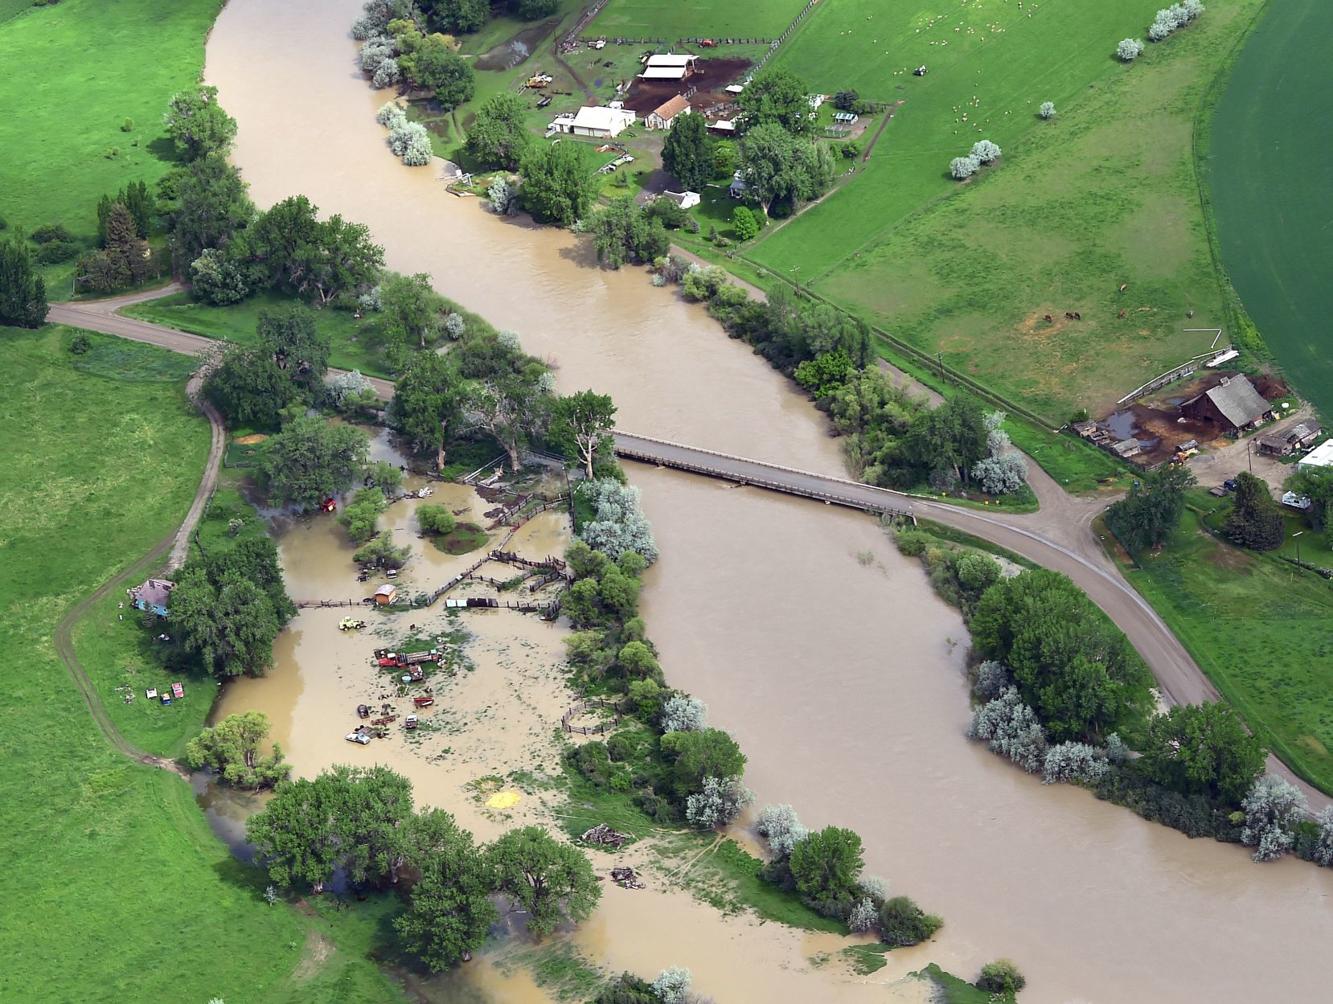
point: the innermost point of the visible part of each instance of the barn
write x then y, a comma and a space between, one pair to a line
668, 66
665, 114
1233, 404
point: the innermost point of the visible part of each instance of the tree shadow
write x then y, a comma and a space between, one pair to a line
164, 150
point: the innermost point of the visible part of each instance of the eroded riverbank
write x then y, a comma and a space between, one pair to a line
836, 675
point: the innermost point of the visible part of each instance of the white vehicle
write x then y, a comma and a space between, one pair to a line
358, 737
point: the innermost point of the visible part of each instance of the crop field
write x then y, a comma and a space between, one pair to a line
81, 71
695, 19
118, 889
1103, 195
1260, 631
1267, 165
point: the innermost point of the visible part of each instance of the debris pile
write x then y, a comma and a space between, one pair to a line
604, 836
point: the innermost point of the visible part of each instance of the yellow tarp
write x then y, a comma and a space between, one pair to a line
503, 800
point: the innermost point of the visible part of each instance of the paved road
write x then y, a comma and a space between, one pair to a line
1057, 537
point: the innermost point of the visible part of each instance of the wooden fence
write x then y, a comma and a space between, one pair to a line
584, 706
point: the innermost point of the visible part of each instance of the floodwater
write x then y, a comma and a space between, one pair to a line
811, 639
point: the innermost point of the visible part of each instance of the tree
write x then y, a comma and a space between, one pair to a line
985, 151
22, 291
1069, 663
360, 515
627, 989
533, 10
688, 151
618, 525
1202, 749
349, 817
745, 224
719, 803
311, 459
125, 259
951, 437
300, 253
1129, 50
1047, 110
510, 407
726, 158
1011, 729
846, 101
695, 756
449, 911
1001, 977
435, 66
784, 169
499, 135
548, 879
1255, 520
231, 750
436, 519
427, 403
381, 552
411, 313
963, 168
197, 124
1273, 808
779, 98
559, 182
229, 625
205, 205
386, 477
1148, 515
684, 714
248, 388
254, 559
580, 423
458, 17
298, 348
672, 985
903, 923
217, 279
779, 825
826, 866
623, 232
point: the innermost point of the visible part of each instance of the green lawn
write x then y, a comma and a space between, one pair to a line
694, 19
79, 70
1277, 251
1261, 630
353, 341
1103, 195
118, 889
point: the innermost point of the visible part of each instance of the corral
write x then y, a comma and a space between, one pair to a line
705, 86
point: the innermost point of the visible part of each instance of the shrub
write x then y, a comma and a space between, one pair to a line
80, 344
963, 167
391, 115
720, 801
985, 151
380, 552
703, 283
1272, 809
1192, 815
684, 714
387, 74
992, 680
350, 389
618, 525
1001, 475
903, 923
1129, 50
863, 916
1073, 762
1001, 977
435, 519
127, 125
56, 251
503, 197
1116, 751
51, 232
1322, 852
1011, 728
874, 887
779, 825
455, 326
744, 223
672, 985
1047, 110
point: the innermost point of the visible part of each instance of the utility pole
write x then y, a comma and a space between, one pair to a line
1297, 538
1249, 454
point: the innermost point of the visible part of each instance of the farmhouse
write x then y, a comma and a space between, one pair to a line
669, 66
1233, 404
1289, 438
595, 121
153, 596
666, 113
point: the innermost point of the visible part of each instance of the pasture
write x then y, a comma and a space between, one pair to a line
1267, 168
81, 71
119, 890
1261, 632
1102, 195
694, 19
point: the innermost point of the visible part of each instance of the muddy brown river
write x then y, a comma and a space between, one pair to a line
811, 639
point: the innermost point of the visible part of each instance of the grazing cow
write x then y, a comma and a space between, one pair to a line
1069, 316
1078, 316
1124, 286
1122, 312
1049, 319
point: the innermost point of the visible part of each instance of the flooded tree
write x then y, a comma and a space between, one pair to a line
826, 866
428, 403
311, 459
231, 750
581, 423
547, 879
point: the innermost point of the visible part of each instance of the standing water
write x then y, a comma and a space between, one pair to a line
812, 640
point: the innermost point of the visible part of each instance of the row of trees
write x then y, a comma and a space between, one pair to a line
396, 49
22, 290
362, 822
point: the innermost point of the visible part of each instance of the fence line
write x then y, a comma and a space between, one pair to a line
585, 705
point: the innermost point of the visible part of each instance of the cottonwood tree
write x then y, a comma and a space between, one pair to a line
695, 756
559, 182
776, 98
311, 459
782, 169
1148, 515
623, 232
411, 313
231, 749
581, 423
511, 407
499, 136
229, 625
22, 291
458, 17
306, 255
1202, 749
205, 204
216, 279
547, 879
688, 151
427, 403
826, 866
436, 67
951, 437
360, 515
248, 388
197, 124
297, 346
1255, 520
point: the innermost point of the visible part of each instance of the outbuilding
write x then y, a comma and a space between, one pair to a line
665, 114
386, 594
1233, 404
1320, 458
152, 595
668, 66
686, 200
1289, 438
595, 121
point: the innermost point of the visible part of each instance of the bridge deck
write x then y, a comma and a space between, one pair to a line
837, 491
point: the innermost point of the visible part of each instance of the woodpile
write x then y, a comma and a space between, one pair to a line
604, 836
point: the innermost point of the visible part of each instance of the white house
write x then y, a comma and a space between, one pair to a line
665, 114
594, 121
668, 66
686, 200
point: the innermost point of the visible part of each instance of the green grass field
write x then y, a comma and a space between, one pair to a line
118, 890
1263, 185
78, 71
1260, 630
1104, 194
694, 19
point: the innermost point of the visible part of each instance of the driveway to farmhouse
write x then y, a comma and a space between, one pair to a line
1059, 536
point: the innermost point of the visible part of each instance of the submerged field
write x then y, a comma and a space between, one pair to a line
118, 888
1103, 195
1270, 169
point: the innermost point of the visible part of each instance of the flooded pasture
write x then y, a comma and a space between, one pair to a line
812, 640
